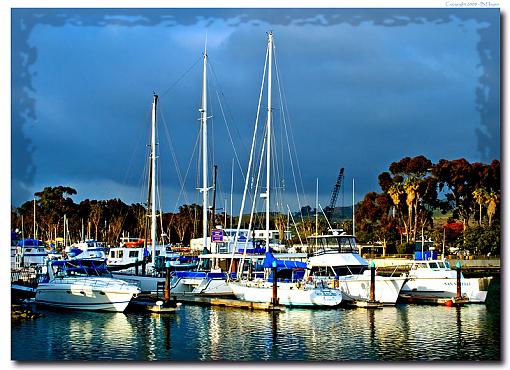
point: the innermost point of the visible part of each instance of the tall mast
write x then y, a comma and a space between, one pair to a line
153, 178
269, 109
353, 211
34, 233
203, 118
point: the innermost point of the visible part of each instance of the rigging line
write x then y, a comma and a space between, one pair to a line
249, 165
181, 77
295, 225
284, 105
219, 95
326, 217
139, 136
236, 156
174, 155
250, 223
187, 172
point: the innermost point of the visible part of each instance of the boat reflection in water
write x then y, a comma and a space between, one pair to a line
198, 333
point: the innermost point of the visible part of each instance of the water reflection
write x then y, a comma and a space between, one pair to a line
404, 332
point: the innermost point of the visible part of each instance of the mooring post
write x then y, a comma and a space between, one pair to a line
167, 282
250, 269
372, 282
275, 285
459, 290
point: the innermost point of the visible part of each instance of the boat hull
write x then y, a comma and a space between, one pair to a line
92, 294
357, 288
201, 286
475, 289
289, 294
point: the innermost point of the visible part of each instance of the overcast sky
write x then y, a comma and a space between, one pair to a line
362, 88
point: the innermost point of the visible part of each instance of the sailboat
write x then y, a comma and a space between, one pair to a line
126, 260
271, 288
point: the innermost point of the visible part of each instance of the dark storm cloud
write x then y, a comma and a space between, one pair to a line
350, 124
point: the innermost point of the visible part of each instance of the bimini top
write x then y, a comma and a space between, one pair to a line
30, 243
88, 267
282, 264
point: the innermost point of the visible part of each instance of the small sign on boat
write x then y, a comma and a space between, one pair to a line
217, 235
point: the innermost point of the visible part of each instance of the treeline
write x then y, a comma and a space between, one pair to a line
104, 220
416, 192
455, 201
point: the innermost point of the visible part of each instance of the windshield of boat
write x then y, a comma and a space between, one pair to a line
79, 268
334, 244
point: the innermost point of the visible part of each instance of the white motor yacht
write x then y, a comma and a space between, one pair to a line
83, 284
435, 279
337, 262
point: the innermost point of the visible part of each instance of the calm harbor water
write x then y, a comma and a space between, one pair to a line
197, 333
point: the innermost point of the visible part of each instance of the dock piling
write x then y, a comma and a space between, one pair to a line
275, 286
459, 287
167, 283
372, 282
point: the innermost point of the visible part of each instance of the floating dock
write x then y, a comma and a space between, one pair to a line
454, 301
364, 304
226, 302
152, 306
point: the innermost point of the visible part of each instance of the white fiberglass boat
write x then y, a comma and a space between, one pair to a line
288, 294
82, 284
336, 261
436, 279
292, 290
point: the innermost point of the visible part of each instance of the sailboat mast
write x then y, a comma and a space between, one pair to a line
269, 109
153, 178
203, 112
34, 233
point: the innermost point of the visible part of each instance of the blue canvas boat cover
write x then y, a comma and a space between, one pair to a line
30, 242
282, 264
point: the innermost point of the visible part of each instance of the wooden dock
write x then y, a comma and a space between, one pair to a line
454, 301
152, 306
225, 302
364, 304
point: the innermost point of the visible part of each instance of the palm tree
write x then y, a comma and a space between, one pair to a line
480, 195
492, 200
411, 185
395, 191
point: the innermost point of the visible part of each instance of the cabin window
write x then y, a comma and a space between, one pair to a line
157, 253
133, 254
441, 265
121, 254
433, 265
447, 264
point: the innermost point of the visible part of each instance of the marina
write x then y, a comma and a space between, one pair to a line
405, 332
126, 254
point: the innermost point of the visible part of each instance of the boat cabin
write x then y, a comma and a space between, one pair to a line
77, 268
335, 255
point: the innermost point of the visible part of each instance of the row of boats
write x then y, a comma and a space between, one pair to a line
332, 274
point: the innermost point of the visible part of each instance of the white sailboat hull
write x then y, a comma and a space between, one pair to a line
288, 294
93, 294
201, 286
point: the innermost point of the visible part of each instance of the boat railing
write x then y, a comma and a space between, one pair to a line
28, 276
102, 282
